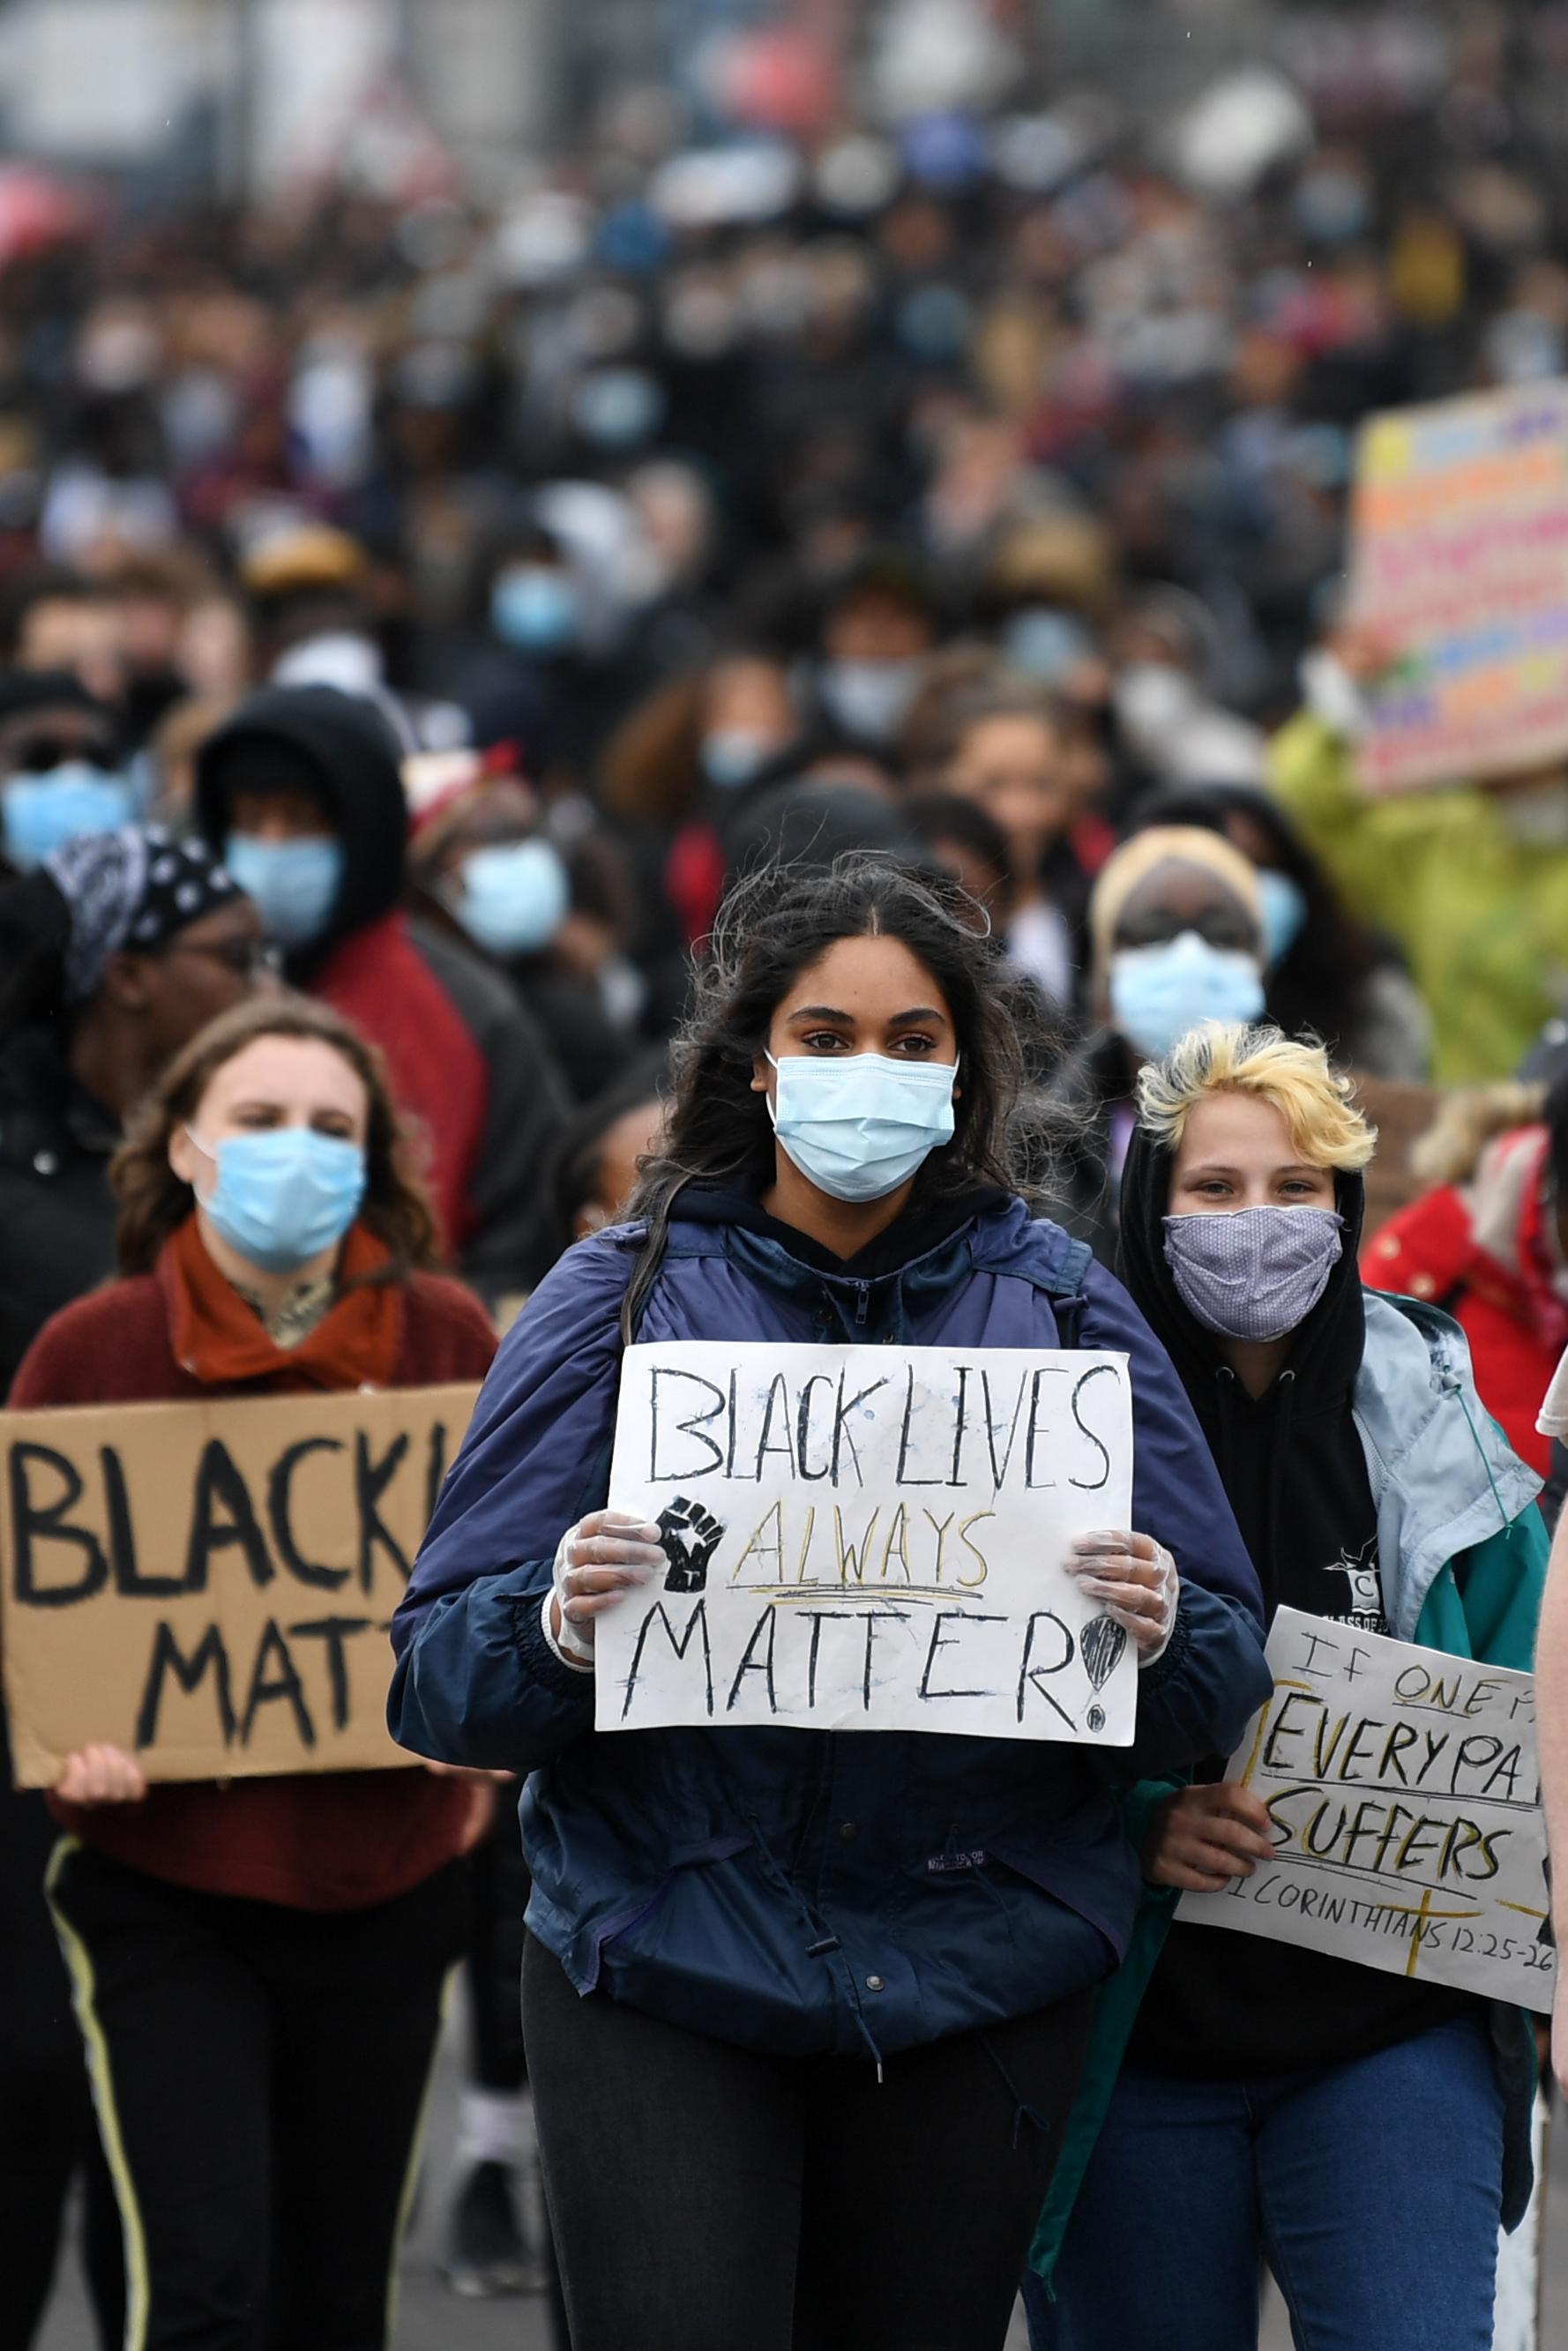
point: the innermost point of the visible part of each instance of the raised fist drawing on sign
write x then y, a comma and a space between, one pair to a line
690, 1536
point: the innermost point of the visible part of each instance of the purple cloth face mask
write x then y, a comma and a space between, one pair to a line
1253, 1273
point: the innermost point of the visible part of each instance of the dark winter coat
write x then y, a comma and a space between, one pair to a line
792, 1890
57, 1210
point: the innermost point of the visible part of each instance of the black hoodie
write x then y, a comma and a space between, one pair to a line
339, 748
1224, 2004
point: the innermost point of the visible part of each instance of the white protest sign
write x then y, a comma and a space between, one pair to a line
871, 1539
1404, 1795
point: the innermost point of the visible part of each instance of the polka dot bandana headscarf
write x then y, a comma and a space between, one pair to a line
135, 889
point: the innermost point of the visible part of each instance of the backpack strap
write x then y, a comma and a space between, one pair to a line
1065, 1291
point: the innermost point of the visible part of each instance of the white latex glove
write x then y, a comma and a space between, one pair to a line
605, 1555
1134, 1579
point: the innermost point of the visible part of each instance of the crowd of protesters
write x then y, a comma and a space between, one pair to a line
418, 624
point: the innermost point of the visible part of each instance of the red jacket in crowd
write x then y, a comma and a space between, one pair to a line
1483, 1252
329, 1841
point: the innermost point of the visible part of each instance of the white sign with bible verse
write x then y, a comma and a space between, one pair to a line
1405, 1797
871, 1539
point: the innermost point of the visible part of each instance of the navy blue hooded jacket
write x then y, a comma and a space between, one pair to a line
804, 1891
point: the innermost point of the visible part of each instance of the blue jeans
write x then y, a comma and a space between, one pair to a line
1373, 2190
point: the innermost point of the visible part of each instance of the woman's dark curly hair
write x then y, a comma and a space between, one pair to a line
154, 1203
774, 924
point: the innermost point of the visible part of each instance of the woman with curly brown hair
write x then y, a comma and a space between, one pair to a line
258, 1964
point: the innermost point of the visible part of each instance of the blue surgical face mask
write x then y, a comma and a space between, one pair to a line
1284, 912
617, 407
871, 698
535, 608
283, 1197
1158, 993
731, 755
39, 813
513, 898
1045, 643
294, 884
858, 1124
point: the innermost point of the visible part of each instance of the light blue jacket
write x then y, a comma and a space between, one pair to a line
1444, 1480
1461, 1553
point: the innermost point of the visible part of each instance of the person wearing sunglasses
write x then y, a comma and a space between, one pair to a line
115, 950
61, 771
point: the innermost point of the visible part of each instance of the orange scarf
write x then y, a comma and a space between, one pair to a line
219, 1339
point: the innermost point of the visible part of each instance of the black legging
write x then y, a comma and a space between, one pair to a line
498, 1895
47, 2135
260, 2074
705, 2196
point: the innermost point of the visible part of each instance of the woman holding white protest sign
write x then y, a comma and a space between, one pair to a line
804, 2009
258, 1963
1359, 2131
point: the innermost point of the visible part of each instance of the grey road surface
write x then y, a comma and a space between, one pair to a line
430, 2319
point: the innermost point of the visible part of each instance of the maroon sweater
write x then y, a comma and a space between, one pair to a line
327, 1841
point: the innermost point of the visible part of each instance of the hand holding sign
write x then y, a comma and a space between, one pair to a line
1205, 1836
1135, 1579
605, 1555
101, 1775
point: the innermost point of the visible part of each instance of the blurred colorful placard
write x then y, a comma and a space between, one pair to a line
1460, 563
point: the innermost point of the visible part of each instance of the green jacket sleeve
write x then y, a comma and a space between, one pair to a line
1486, 1605
1310, 772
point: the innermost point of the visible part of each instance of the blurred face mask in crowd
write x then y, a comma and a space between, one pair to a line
859, 1125
535, 608
1332, 204
1253, 1273
1151, 698
512, 897
283, 1197
1040, 642
618, 408
1159, 992
870, 699
1284, 912
40, 811
294, 884
731, 755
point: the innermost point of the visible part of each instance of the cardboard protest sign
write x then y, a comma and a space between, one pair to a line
1406, 1801
208, 1585
1460, 557
870, 1538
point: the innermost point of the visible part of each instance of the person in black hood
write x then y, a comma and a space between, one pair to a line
1267, 2084
302, 790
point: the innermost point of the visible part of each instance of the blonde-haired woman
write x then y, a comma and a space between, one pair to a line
1360, 2131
